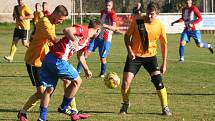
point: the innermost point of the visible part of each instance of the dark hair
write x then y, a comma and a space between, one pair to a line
153, 6
94, 24
60, 9
108, 1
44, 3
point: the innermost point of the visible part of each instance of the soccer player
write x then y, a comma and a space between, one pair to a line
138, 8
191, 18
56, 65
108, 18
45, 9
140, 41
22, 15
38, 48
37, 15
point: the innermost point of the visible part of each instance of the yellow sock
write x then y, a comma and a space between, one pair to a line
12, 50
72, 105
32, 101
163, 97
125, 95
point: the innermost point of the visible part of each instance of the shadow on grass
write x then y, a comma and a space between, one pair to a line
9, 110
182, 94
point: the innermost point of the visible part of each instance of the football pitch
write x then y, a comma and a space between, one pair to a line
190, 85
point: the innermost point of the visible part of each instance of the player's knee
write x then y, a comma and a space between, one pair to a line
157, 81
182, 43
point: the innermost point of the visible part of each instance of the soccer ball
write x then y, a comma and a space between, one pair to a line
112, 80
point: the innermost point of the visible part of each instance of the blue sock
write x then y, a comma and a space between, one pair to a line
181, 51
103, 68
205, 45
79, 66
43, 113
66, 102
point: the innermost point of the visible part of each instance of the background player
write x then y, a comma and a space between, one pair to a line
22, 14
45, 10
108, 18
56, 65
140, 41
191, 18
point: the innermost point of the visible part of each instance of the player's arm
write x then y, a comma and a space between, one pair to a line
70, 33
82, 60
28, 14
127, 41
14, 13
180, 19
198, 14
163, 44
110, 27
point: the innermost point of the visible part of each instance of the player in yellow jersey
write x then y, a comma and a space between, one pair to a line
37, 15
22, 15
38, 48
142, 50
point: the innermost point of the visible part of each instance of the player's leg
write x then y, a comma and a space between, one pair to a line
130, 70
16, 37
199, 43
33, 99
104, 49
45, 102
152, 68
25, 38
184, 39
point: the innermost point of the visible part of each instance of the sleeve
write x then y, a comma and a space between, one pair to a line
49, 30
78, 30
182, 17
163, 37
198, 14
28, 11
114, 17
131, 28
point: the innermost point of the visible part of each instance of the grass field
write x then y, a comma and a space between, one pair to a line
190, 86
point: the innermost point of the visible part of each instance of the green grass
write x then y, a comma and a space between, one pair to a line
190, 85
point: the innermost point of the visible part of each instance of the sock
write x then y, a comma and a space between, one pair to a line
12, 50
65, 103
72, 105
125, 95
79, 66
181, 51
205, 45
32, 101
103, 68
43, 113
163, 97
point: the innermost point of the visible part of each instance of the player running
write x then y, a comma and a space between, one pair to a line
22, 15
56, 65
191, 17
140, 41
108, 18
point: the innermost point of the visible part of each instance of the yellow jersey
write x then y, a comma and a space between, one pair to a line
22, 11
38, 47
156, 31
37, 16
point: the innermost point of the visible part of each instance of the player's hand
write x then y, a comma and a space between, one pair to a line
88, 74
131, 56
172, 24
74, 45
163, 68
21, 18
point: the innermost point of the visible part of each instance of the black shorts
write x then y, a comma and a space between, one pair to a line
20, 34
149, 63
33, 73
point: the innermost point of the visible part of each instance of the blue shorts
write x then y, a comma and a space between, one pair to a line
104, 47
187, 34
54, 68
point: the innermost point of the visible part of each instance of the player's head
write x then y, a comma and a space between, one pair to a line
138, 4
108, 5
152, 11
96, 26
38, 6
59, 14
189, 3
20, 2
45, 5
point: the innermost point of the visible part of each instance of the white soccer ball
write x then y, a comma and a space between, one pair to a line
112, 80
